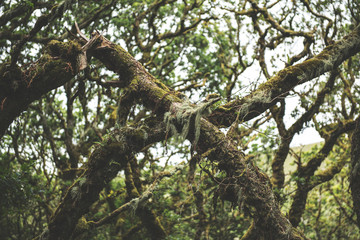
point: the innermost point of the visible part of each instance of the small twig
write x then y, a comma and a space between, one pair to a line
80, 33
2, 103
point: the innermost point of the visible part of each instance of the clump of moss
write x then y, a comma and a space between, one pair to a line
66, 50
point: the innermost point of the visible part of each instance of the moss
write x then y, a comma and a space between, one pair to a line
224, 108
114, 146
66, 50
294, 75
10, 78
49, 72
133, 85
133, 194
159, 93
54, 68
296, 234
118, 60
75, 193
160, 84
136, 137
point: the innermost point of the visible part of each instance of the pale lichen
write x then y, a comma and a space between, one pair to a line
134, 205
75, 192
259, 97
185, 114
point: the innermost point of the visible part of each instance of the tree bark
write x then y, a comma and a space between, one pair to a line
19, 88
105, 162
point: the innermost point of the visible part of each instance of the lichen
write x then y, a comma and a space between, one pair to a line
82, 180
134, 205
183, 114
75, 192
259, 97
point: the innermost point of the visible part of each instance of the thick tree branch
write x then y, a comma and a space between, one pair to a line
247, 178
287, 135
105, 161
277, 87
19, 88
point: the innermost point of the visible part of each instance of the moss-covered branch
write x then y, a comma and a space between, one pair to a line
277, 87
252, 183
147, 216
131, 205
20, 87
278, 176
106, 160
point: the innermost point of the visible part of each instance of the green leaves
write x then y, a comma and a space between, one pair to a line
198, 49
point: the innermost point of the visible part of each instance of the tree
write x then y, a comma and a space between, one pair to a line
99, 98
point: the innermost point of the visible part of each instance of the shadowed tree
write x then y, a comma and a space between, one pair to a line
173, 119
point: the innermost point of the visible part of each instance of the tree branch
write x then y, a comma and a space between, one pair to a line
277, 87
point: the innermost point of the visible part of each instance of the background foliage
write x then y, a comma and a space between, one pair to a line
197, 48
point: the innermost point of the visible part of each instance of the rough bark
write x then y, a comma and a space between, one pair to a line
19, 88
105, 161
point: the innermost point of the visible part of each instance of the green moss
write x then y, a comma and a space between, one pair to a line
293, 75
54, 68
113, 146
66, 50
296, 234
159, 93
224, 108
134, 192
133, 85
161, 85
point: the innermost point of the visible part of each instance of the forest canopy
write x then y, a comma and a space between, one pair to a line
177, 119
